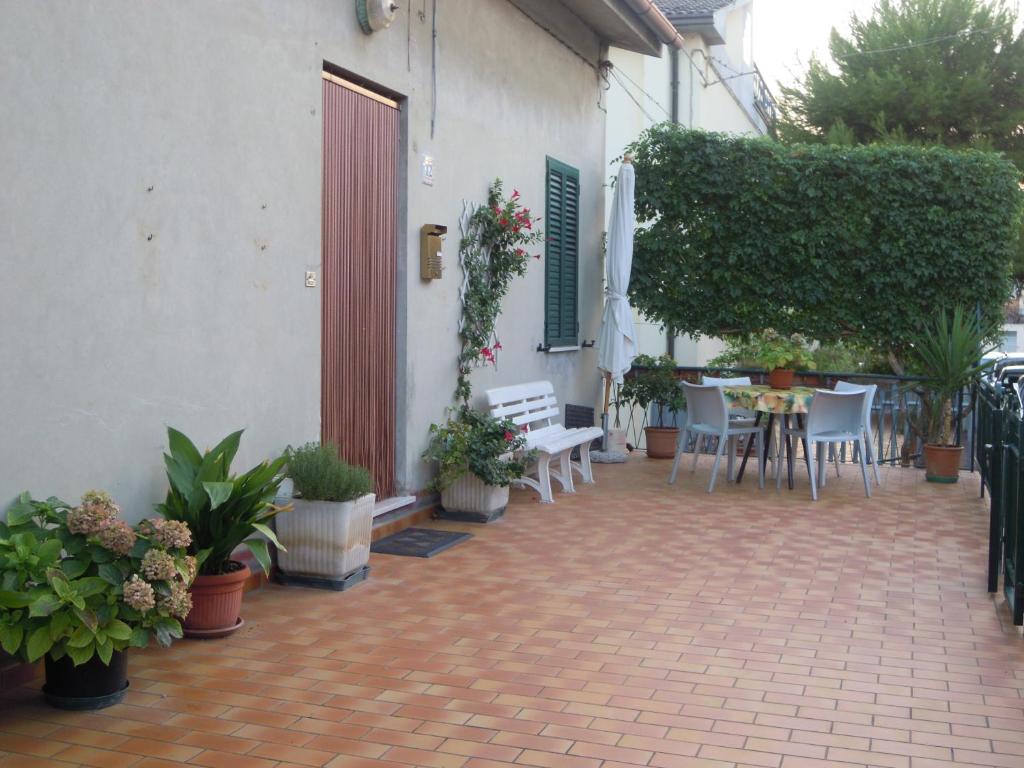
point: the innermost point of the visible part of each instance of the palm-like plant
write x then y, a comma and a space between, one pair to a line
221, 510
948, 352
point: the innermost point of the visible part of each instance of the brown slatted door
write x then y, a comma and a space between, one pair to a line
360, 197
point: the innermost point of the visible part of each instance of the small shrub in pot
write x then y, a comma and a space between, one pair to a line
327, 535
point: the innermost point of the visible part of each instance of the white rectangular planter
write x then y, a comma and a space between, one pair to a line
325, 539
469, 499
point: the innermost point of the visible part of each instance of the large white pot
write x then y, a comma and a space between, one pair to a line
325, 539
471, 500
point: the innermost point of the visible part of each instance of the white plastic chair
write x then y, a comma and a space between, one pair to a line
869, 399
833, 417
707, 415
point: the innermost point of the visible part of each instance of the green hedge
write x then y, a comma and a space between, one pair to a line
740, 234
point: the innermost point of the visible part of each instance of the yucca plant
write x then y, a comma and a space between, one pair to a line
949, 353
221, 510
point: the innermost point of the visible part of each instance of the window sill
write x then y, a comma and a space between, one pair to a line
548, 349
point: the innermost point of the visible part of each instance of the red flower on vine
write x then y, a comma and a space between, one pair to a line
515, 194
497, 345
509, 437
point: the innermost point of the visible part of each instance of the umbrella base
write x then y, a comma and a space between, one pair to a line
607, 457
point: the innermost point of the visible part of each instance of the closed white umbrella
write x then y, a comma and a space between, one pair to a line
616, 345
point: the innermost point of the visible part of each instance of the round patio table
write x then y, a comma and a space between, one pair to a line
762, 399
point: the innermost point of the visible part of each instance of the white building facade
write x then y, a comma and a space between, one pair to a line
168, 198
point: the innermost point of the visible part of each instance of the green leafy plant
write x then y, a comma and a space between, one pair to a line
652, 382
948, 352
772, 350
476, 443
220, 509
320, 474
832, 242
492, 252
79, 582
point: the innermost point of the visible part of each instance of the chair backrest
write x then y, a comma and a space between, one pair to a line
532, 407
832, 411
735, 381
705, 405
869, 399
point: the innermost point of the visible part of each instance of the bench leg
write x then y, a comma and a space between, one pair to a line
585, 469
564, 474
544, 479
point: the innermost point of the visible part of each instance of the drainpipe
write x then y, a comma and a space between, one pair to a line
673, 54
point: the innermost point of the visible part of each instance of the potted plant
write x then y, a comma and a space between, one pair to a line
948, 353
327, 534
780, 355
478, 456
79, 587
222, 511
655, 386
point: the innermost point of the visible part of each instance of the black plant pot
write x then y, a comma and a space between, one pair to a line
92, 685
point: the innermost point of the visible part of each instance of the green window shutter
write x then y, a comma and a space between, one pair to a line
561, 255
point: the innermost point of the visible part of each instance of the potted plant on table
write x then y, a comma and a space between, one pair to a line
79, 587
782, 356
655, 386
222, 511
327, 534
948, 353
478, 457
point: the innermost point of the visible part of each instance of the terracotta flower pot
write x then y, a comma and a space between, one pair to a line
780, 378
942, 463
661, 442
216, 603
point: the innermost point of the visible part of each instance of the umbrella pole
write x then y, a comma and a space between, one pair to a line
604, 413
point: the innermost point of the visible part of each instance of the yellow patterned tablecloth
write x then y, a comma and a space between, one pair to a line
761, 397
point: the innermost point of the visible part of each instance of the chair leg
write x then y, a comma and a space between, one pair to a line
696, 451
730, 447
718, 460
864, 467
822, 458
871, 457
680, 447
811, 472
760, 463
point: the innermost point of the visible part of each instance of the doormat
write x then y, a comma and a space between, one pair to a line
418, 542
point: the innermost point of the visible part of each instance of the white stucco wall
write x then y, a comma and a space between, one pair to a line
161, 167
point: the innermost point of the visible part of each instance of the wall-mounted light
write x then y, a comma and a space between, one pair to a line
375, 15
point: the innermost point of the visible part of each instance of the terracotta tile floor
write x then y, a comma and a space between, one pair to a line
632, 624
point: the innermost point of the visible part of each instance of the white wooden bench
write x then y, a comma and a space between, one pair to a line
533, 408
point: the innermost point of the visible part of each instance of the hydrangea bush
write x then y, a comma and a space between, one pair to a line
79, 582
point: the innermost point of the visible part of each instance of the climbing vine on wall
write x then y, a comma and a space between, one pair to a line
493, 250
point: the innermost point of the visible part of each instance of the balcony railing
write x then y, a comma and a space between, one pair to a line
764, 102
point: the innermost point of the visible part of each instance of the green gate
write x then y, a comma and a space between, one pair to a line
1000, 441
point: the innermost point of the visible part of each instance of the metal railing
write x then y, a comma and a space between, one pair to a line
764, 102
894, 408
999, 443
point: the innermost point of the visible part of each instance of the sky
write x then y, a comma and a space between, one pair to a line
787, 32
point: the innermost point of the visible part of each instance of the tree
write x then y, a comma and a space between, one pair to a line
948, 72
839, 243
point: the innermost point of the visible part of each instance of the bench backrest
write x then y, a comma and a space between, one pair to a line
532, 405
